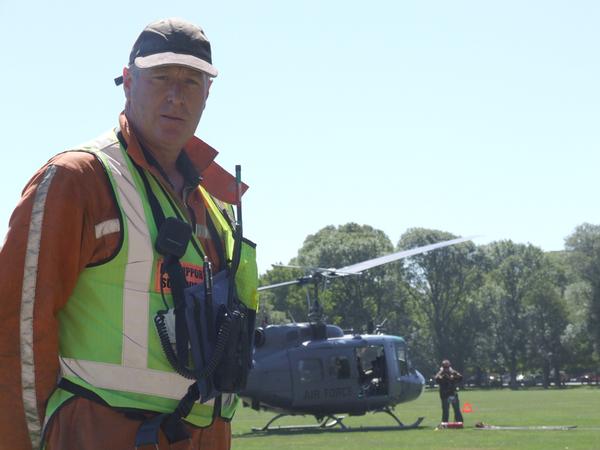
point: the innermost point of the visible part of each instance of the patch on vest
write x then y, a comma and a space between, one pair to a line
202, 231
192, 272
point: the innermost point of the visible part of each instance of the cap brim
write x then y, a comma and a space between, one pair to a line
175, 59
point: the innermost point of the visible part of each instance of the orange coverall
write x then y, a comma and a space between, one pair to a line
78, 198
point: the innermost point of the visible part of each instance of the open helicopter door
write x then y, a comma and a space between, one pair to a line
325, 379
373, 367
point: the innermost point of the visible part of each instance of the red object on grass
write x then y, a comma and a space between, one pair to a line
451, 425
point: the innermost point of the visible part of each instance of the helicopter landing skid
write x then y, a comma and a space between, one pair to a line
335, 423
325, 423
401, 425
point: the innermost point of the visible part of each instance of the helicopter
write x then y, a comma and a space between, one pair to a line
315, 368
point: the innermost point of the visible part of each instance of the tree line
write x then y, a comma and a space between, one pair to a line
504, 308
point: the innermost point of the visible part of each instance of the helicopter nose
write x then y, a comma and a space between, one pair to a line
419, 383
413, 386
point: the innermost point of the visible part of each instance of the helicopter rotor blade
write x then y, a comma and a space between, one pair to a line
312, 269
289, 266
358, 268
285, 283
369, 264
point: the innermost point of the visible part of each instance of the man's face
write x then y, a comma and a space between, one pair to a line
164, 105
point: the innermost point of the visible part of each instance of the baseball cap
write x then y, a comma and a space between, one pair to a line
172, 41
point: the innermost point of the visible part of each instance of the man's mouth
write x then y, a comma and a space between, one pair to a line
167, 116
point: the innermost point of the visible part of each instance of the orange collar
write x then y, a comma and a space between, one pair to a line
215, 179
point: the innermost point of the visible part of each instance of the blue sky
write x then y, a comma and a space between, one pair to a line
473, 117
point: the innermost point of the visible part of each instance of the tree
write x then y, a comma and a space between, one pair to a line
515, 268
547, 319
353, 300
584, 245
348, 301
576, 296
441, 284
579, 346
286, 301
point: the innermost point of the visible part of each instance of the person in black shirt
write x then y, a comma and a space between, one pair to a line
448, 378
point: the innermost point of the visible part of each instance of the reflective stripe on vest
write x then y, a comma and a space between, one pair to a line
129, 379
138, 270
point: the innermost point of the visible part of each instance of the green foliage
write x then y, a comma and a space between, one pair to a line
284, 304
502, 306
546, 319
516, 272
441, 284
584, 245
342, 246
576, 337
350, 301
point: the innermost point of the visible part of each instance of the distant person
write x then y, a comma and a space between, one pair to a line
81, 363
448, 378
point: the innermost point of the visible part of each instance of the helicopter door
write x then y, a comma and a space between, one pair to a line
409, 382
324, 377
372, 370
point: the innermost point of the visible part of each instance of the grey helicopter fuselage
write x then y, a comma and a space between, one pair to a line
318, 370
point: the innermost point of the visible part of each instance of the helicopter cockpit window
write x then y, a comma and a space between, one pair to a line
310, 370
339, 367
401, 359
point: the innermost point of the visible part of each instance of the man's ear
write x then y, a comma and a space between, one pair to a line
126, 80
210, 81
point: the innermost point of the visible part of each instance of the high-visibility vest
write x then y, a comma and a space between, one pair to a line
108, 343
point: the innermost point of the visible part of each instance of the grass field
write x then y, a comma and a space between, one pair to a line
578, 406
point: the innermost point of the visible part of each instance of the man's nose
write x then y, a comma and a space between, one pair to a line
175, 92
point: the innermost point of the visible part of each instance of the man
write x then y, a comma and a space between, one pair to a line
448, 378
81, 364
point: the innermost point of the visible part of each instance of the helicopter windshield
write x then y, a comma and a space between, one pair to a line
401, 358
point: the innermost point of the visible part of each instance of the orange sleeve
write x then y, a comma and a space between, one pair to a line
51, 238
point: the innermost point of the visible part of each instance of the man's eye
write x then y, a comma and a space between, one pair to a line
193, 82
